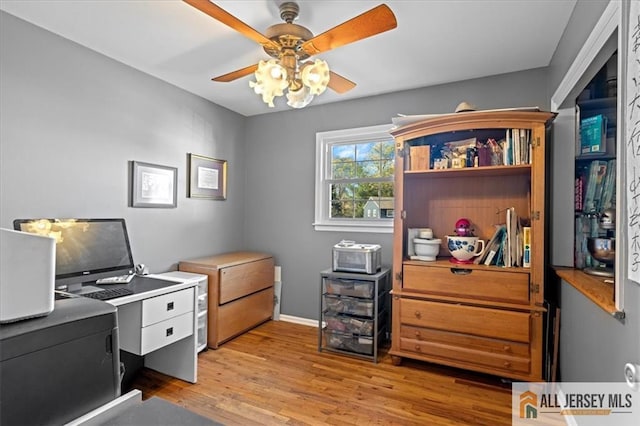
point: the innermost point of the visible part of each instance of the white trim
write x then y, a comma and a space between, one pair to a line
109, 410
607, 24
323, 139
299, 320
354, 227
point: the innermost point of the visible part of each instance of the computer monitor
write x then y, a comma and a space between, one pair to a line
86, 249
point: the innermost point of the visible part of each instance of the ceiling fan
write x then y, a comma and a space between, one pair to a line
291, 45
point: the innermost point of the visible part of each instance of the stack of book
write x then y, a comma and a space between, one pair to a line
595, 187
510, 244
516, 147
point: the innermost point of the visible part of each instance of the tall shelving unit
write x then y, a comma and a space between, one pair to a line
482, 318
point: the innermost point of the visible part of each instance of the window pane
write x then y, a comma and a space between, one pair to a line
343, 161
386, 190
359, 205
341, 191
366, 151
342, 209
368, 168
343, 169
387, 168
343, 152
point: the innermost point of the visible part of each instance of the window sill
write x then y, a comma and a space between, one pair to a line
354, 228
594, 288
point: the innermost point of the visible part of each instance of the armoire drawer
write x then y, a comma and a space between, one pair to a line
458, 281
485, 344
465, 355
473, 320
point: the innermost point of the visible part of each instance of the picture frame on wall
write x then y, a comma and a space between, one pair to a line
153, 185
207, 177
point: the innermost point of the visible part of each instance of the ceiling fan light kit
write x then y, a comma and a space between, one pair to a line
289, 45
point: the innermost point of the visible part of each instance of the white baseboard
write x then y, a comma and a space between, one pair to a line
299, 320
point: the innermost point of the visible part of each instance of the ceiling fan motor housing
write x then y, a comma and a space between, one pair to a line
288, 35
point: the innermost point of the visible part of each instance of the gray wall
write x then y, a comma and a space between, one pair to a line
281, 171
593, 345
72, 119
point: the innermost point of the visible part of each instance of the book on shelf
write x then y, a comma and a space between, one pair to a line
419, 157
593, 187
492, 246
593, 134
579, 191
514, 239
608, 198
526, 246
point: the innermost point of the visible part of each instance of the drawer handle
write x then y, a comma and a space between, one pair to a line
418, 348
507, 364
461, 271
169, 331
418, 335
170, 306
418, 314
507, 348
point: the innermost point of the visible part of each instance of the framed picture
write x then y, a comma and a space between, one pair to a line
207, 178
153, 185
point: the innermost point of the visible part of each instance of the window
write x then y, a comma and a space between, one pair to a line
354, 180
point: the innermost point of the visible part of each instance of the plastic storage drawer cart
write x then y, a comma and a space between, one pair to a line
354, 312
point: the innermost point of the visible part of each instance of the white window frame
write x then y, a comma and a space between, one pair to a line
324, 140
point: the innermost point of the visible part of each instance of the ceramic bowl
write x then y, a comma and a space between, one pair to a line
427, 248
464, 249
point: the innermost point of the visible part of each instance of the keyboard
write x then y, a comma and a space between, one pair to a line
120, 279
109, 293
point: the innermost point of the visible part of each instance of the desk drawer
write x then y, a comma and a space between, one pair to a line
457, 281
166, 332
166, 306
240, 280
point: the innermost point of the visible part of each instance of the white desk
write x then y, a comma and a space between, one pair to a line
159, 322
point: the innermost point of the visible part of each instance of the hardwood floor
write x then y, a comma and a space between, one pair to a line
274, 375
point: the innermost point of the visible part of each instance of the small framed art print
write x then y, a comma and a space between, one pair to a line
207, 177
153, 185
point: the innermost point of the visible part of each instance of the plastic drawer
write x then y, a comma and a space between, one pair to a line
354, 288
348, 305
202, 286
202, 331
349, 324
202, 302
349, 342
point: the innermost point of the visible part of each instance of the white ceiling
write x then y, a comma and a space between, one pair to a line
436, 41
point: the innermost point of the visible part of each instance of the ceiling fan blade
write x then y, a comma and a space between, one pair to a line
339, 84
234, 75
216, 12
375, 21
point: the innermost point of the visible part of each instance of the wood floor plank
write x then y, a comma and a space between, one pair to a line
274, 375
